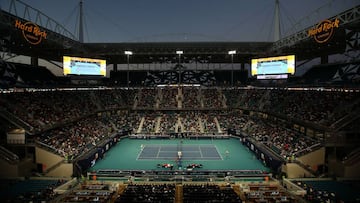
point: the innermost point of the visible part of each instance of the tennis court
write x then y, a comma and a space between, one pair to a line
170, 152
140, 154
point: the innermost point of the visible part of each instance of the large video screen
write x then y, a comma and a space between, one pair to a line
84, 66
273, 65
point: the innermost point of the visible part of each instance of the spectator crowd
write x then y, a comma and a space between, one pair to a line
73, 121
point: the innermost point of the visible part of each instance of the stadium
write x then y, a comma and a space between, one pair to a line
179, 121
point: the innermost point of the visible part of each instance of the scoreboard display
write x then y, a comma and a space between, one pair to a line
84, 66
273, 65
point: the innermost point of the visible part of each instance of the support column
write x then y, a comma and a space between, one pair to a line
324, 59
81, 29
277, 21
115, 67
34, 61
242, 66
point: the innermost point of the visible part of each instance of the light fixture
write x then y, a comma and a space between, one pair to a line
232, 52
128, 52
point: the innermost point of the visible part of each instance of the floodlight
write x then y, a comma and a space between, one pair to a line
232, 52
128, 52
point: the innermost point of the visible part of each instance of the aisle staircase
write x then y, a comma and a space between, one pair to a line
95, 100
237, 190
179, 193
201, 125
16, 121
181, 126
217, 125
140, 125
157, 125
264, 99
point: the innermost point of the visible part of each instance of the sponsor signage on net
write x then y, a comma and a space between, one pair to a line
324, 30
31, 32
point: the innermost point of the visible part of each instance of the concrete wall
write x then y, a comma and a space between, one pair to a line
48, 159
8, 170
21, 169
314, 159
26, 166
63, 170
340, 169
352, 171
293, 170
335, 167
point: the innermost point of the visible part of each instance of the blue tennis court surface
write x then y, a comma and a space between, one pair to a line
140, 154
170, 152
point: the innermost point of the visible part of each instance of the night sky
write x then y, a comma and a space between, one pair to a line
185, 20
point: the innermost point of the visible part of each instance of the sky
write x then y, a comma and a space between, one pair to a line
185, 20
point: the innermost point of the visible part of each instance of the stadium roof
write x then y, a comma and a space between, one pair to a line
58, 43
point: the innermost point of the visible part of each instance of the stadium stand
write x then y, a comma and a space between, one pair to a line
329, 190
101, 113
209, 193
148, 193
13, 190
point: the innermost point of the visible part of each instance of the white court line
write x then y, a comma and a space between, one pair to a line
150, 145
159, 149
207, 158
141, 150
201, 155
159, 146
218, 152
